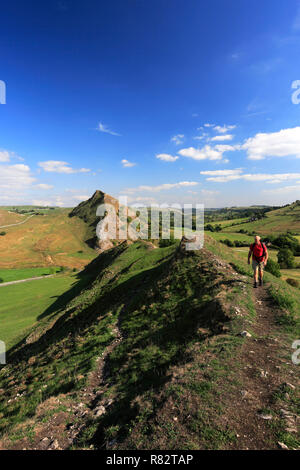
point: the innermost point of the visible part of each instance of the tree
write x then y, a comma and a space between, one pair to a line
273, 268
286, 258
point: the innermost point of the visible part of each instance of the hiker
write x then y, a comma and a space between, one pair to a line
259, 253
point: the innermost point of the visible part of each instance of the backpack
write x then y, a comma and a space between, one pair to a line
260, 258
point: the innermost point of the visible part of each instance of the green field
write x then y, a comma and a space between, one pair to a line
21, 304
9, 275
231, 236
228, 223
277, 221
291, 274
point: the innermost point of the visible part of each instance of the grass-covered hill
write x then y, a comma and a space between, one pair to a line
145, 352
86, 211
276, 221
48, 239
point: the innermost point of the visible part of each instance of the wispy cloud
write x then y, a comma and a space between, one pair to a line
106, 130
43, 186
236, 56
296, 19
222, 138
127, 163
161, 187
177, 139
56, 166
225, 176
209, 193
284, 190
224, 129
166, 157
103, 128
7, 156
236, 171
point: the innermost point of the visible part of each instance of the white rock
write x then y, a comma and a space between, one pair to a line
245, 334
283, 446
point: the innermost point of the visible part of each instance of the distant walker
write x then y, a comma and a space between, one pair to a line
259, 253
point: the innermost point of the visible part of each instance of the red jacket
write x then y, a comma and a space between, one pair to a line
258, 251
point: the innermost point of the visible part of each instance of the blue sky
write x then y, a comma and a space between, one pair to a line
163, 100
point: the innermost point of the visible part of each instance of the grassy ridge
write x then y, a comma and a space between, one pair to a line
177, 316
171, 297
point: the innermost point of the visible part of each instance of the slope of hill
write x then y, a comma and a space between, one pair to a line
86, 211
277, 221
8, 218
150, 355
52, 239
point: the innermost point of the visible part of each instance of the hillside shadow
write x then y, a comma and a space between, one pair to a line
68, 324
136, 381
84, 279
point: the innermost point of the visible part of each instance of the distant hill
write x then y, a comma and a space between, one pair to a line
286, 218
48, 239
86, 211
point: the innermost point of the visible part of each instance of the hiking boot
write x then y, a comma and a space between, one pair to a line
261, 282
255, 285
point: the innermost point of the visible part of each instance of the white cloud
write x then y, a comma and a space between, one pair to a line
283, 190
82, 197
177, 139
208, 193
127, 164
224, 176
61, 200
237, 171
43, 186
55, 166
140, 201
103, 128
208, 125
15, 177
296, 22
222, 137
223, 129
166, 157
4, 156
207, 152
284, 143
162, 187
